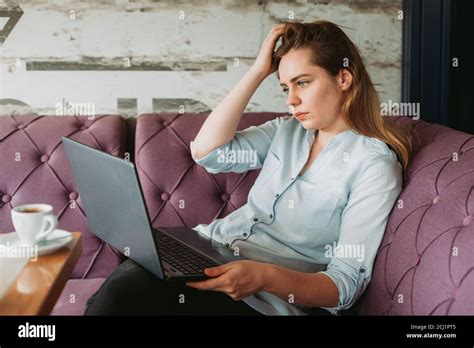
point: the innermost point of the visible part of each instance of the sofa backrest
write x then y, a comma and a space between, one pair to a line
425, 264
34, 169
178, 192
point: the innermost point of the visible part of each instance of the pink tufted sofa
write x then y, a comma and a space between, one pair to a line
425, 265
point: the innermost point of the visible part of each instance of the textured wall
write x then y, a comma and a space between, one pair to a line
135, 56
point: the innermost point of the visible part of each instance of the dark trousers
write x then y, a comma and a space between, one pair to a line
131, 289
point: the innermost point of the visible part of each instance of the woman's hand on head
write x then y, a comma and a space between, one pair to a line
263, 65
237, 279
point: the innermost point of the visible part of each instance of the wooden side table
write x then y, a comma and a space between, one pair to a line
39, 284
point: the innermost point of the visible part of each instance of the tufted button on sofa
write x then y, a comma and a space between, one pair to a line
425, 262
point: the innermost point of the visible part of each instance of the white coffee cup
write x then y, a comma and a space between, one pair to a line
33, 222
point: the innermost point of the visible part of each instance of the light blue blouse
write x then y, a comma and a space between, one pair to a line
330, 220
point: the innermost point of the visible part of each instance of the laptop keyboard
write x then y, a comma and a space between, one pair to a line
180, 256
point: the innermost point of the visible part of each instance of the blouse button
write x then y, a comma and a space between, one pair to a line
245, 234
271, 216
255, 219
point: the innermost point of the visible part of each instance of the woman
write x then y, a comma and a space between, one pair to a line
318, 210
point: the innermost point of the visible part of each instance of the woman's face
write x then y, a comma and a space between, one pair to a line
311, 90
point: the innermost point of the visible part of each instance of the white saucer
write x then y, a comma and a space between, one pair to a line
54, 241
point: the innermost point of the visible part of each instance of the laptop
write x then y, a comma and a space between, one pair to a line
115, 209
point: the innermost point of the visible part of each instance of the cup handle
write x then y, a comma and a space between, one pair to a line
53, 223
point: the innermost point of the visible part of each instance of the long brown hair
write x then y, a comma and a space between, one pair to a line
332, 50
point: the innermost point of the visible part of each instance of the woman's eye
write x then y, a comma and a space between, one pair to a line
285, 90
302, 83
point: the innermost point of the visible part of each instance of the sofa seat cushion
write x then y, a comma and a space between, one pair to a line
75, 294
